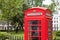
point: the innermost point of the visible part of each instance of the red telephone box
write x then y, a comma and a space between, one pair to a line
38, 24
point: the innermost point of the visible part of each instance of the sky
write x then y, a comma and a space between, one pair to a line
47, 2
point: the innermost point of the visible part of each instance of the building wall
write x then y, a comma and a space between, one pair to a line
56, 20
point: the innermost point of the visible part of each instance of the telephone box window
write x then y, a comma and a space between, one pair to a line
40, 38
40, 28
35, 33
33, 22
35, 38
49, 25
49, 33
48, 14
40, 33
49, 28
34, 27
49, 38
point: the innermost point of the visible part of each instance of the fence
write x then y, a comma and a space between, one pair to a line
14, 38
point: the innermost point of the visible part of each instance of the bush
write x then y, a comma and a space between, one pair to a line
4, 34
58, 33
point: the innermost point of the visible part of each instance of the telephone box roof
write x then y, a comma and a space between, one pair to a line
41, 8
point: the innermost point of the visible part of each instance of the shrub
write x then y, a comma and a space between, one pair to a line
4, 34
58, 33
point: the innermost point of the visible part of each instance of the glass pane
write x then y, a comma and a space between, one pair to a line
40, 27
34, 33
48, 14
49, 28
35, 38
40, 38
49, 25
49, 34
49, 39
40, 33
34, 27
33, 22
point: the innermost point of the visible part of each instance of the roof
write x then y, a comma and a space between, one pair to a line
41, 8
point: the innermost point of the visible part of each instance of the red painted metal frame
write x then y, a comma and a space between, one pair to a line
44, 22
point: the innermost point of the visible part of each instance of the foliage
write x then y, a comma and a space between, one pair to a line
11, 9
11, 35
20, 33
58, 33
38, 2
25, 7
4, 34
52, 7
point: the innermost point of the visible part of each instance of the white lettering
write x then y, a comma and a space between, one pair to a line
34, 14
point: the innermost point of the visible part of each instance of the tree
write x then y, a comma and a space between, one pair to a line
38, 2
52, 7
33, 3
10, 9
17, 22
25, 7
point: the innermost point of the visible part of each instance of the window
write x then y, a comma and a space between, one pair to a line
40, 38
49, 33
35, 33
48, 14
49, 28
55, 17
40, 28
49, 25
33, 22
54, 28
34, 27
56, 21
49, 38
55, 25
35, 38
40, 33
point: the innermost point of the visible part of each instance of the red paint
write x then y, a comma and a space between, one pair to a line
36, 24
